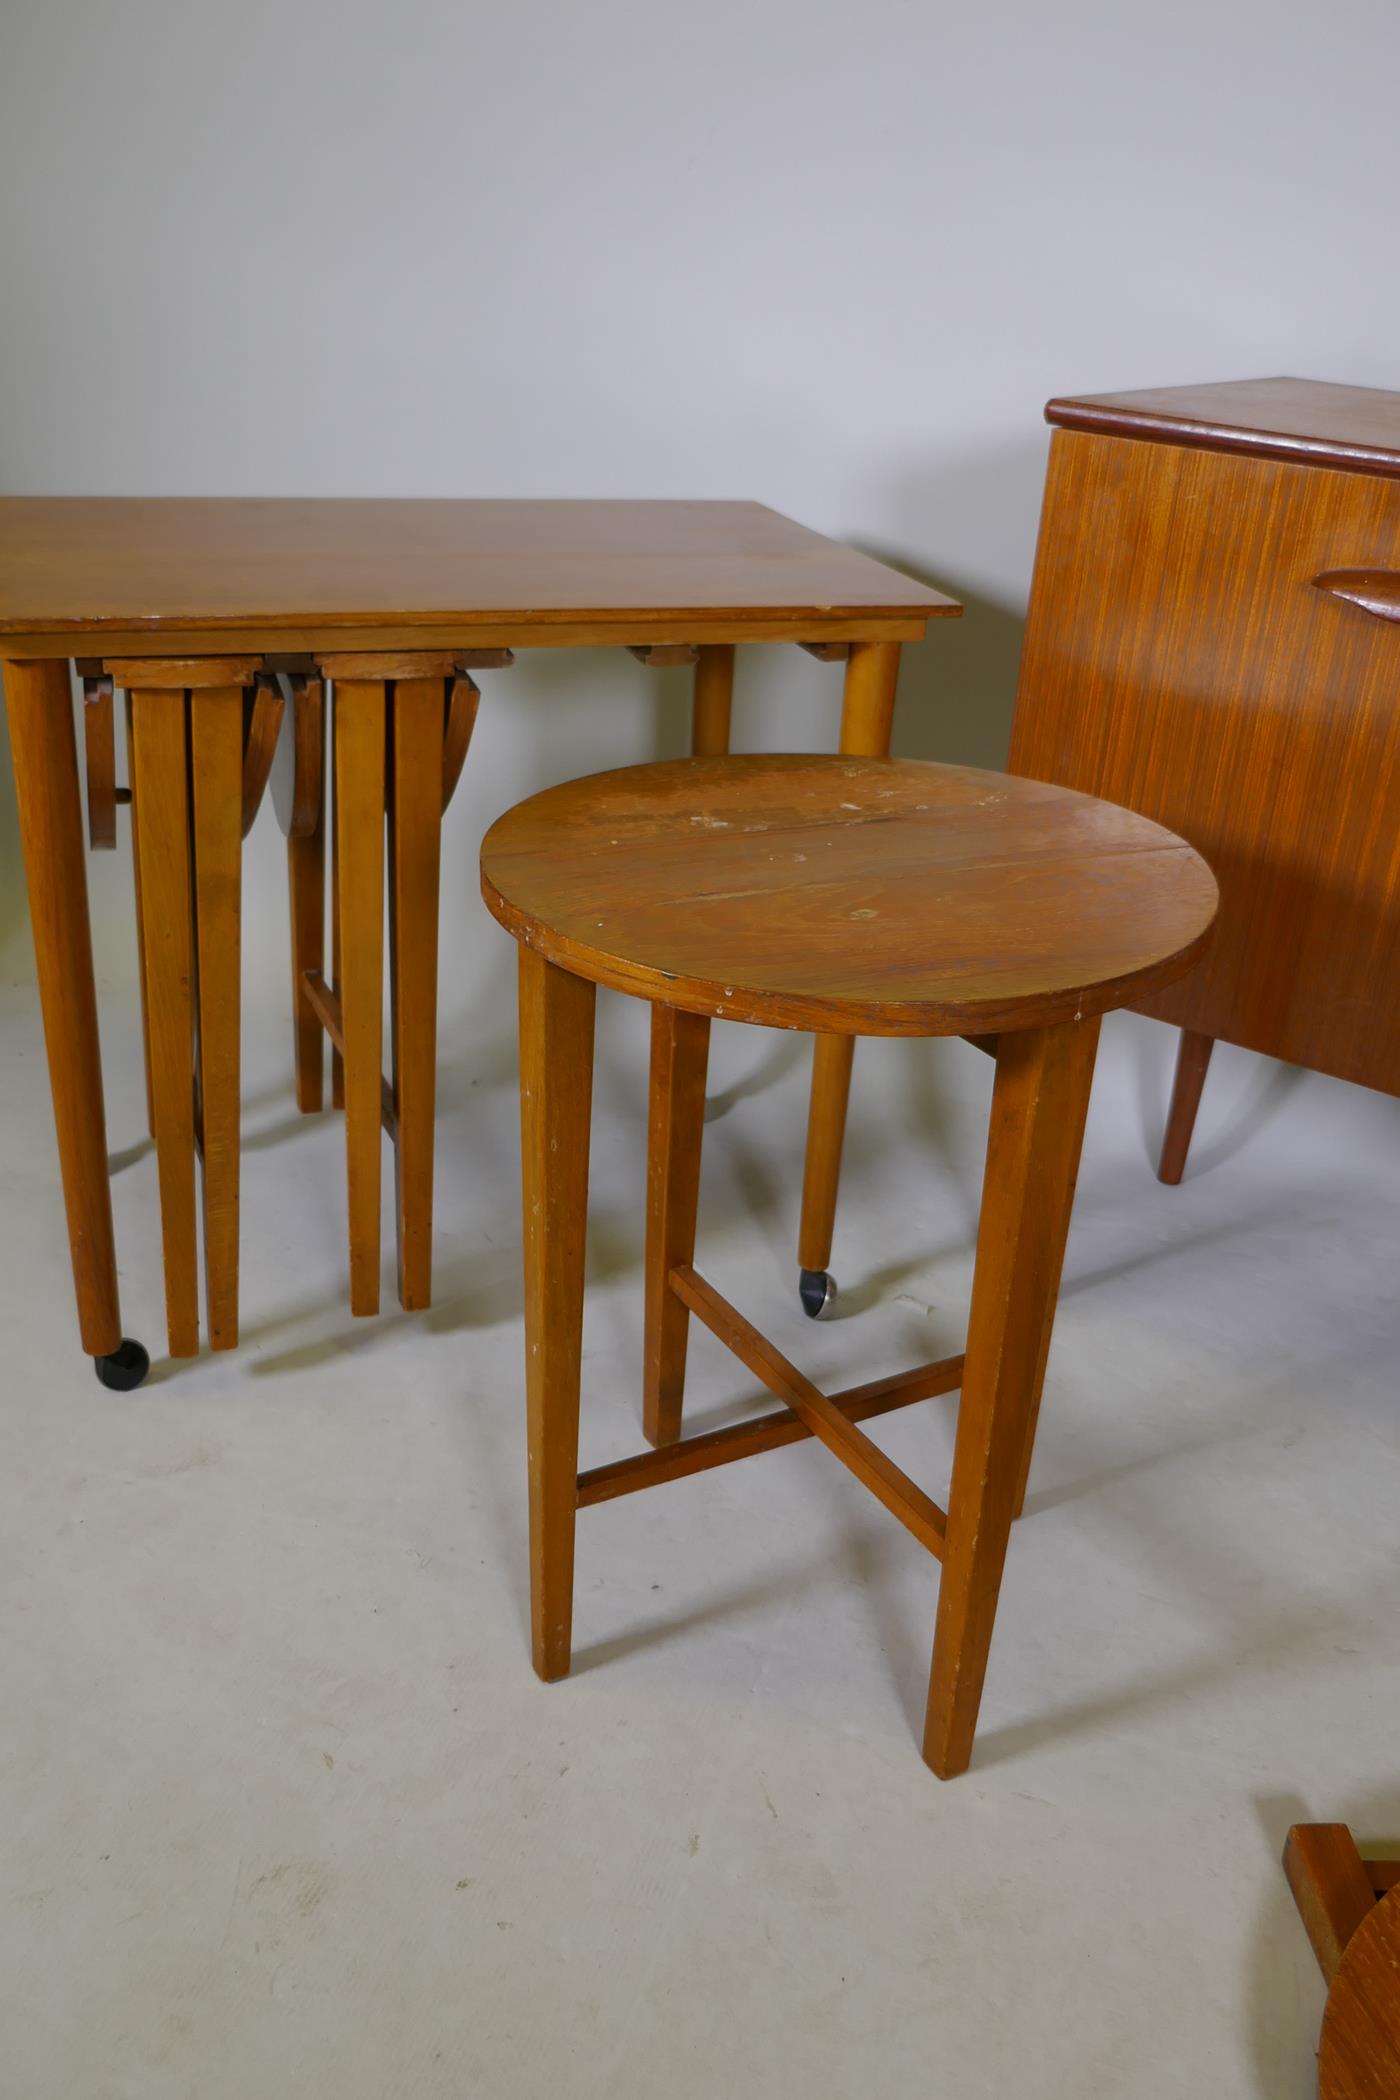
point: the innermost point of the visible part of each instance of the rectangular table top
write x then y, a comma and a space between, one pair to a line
174, 575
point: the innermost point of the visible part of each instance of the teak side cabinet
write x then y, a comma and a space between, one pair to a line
1213, 641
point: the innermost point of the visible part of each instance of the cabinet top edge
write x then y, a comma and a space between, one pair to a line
1314, 421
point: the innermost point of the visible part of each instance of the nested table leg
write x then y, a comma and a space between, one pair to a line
556, 1090
680, 1045
306, 891
45, 752
160, 790
713, 701
337, 1061
415, 828
135, 815
1042, 1082
100, 756
216, 735
359, 821
1191, 1062
867, 718
832, 1057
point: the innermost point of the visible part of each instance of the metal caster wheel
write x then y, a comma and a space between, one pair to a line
124, 1369
817, 1290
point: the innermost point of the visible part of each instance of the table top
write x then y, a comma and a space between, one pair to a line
858, 896
1356, 428
173, 575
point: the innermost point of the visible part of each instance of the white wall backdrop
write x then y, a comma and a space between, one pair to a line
828, 254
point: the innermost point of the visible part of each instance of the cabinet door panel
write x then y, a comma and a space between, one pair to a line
1179, 659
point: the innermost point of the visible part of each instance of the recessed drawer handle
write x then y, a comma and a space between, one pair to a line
1374, 590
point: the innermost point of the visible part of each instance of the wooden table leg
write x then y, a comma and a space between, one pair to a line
337, 1061
556, 1088
306, 891
1191, 1061
359, 816
713, 701
415, 833
679, 1053
832, 1056
1042, 1076
161, 791
867, 718
100, 754
45, 753
1330, 1886
216, 734
680, 1045
1063, 1169
135, 815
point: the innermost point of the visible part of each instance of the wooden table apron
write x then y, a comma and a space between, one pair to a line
190, 849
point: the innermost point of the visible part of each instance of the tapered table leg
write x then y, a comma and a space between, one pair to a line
679, 1054
216, 735
1063, 1168
337, 1061
556, 1086
867, 718
1192, 1059
415, 828
100, 758
680, 1045
1042, 1078
306, 891
714, 698
140, 921
359, 807
161, 789
45, 754
832, 1057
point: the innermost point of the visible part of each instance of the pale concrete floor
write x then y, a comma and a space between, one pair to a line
286, 1812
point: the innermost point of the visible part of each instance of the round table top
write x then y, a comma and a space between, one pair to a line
849, 895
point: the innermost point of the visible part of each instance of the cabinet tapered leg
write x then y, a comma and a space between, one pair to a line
867, 718
680, 1045
1192, 1059
556, 1087
45, 753
1042, 1076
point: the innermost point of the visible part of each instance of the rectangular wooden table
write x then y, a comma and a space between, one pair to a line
196, 607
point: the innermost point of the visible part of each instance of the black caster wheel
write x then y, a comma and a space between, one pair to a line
817, 1290
124, 1369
